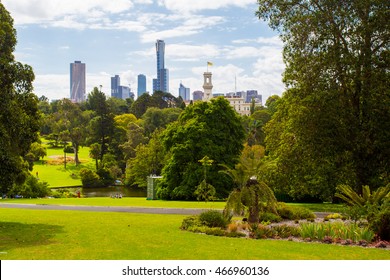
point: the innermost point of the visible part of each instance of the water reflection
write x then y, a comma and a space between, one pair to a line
110, 191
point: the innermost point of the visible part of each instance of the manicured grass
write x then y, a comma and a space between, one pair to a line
57, 175
322, 207
74, 235
126, 201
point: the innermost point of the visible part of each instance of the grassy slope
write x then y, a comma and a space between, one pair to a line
57, 175
36, 234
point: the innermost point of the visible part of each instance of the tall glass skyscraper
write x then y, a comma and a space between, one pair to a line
77, 81
161, 83
115, 84
141, 85
184, 92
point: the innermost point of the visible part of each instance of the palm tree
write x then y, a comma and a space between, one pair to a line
250, 195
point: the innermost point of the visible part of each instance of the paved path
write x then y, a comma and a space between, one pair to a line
124, 209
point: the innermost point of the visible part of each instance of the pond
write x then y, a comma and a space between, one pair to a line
111, 191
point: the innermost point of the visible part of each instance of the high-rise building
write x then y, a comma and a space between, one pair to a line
141, 85
161, 83
184, 92
197, 95
253, 94
77, 81
115, 84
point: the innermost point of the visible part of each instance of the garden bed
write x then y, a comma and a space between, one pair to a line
320, 230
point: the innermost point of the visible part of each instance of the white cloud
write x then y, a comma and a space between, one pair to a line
43, 11
185, 52
191, 6
186, 27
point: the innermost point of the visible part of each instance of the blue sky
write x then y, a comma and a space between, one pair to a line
118, 37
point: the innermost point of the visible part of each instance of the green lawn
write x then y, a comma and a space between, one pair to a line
74, 235
57, 175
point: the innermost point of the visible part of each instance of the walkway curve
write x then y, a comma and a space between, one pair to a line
123, 209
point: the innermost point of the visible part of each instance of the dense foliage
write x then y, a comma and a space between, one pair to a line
19, 116
210, 129
332, 125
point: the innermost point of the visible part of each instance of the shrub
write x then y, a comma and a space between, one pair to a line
213, 218
259, 231
216, 231
90, 179
269, 217
380, 223
334, 216
190, 221
293, 213
31, 188
285, 231
105, 177
232, 227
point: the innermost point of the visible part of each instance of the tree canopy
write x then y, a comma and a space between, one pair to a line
19, 115
332, 125
210, 129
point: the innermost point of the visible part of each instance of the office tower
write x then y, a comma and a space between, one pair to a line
184, 92
161, 83
253, 94
141, 85
115, 84
77, 81
197, 95
207, 86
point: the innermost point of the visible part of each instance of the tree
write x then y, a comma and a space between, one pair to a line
333, 123
71, 119
149, 159
155, 118
19, 115
94, 152
101, 127
205, 191
205, 128
250, 193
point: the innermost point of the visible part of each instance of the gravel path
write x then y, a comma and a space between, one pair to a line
124, 209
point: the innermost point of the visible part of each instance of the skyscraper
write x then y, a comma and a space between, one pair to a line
77, 81
141, 85
184, 92
161, 83
115, 84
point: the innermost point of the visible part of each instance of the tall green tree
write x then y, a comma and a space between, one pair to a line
19, 114
155, 118
149, 159
102, 126
72, 120
334, 124
210, 129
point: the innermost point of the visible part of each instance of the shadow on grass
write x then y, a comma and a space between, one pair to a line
16, 235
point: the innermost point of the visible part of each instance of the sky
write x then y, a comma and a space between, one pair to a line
117, 37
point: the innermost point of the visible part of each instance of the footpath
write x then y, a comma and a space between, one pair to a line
124, 209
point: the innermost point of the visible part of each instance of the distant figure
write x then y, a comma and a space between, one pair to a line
120, 195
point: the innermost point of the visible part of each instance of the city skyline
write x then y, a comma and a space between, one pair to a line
120, 39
